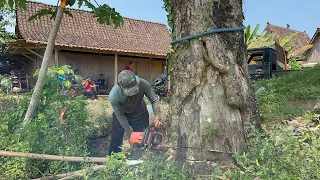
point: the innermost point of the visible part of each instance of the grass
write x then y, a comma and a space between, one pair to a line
289, 95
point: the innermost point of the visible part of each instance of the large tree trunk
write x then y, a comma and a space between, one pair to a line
211, 82
36, 95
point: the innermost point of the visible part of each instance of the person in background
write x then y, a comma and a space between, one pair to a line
89, 88
130, 66
102, 84
130, 111
77, 78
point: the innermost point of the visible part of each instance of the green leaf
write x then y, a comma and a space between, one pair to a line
255, 31
107, 15
41, 13
22, 4
11, 4
53, 16
68, 13
71, 2
80, 2
170, 24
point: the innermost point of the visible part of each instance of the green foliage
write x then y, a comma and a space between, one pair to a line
5, 83
6, 19
52, 82
45, 134
168, 6
253, 40
104, 13
49, 11
210, 131
154, 167
283, 153
289, 95
250, 37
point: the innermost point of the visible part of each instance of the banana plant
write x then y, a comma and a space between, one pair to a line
251, 37
254, 40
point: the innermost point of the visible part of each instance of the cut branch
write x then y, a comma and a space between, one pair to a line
53, 157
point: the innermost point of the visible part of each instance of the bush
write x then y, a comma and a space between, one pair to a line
45, 134
154, 167
290, 153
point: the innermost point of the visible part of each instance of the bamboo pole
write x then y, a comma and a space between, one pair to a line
66, 176
53, 157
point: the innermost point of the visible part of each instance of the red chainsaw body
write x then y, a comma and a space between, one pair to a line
151, 137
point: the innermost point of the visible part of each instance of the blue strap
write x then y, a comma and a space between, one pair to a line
208, 32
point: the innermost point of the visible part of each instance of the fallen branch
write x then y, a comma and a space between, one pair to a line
67, 176
53, 157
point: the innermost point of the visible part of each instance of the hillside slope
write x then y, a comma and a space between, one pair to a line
289, 95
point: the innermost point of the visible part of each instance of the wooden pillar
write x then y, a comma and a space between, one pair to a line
115, 69
56, 57
168, 77
150, 70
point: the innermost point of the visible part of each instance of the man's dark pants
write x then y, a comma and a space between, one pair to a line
138, 125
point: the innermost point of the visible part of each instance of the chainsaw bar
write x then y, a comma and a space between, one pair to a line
210, 150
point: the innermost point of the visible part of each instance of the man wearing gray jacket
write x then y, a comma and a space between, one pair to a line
129, 108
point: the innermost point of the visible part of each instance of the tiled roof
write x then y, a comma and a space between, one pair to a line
83, 31
312, 41
302, 39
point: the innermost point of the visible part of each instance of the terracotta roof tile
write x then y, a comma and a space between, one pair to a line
136, 36
302, 39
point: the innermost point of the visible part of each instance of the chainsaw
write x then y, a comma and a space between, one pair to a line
152, 136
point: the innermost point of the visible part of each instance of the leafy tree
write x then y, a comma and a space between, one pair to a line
104, 14
6, 18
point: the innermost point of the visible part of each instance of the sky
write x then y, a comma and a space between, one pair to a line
300, 15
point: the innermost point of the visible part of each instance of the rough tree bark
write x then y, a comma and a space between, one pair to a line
211, 82
36, 95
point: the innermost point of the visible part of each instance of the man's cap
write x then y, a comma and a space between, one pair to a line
128, 83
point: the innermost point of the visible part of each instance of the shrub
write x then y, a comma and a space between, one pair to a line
45, 134
154, 167
283, 153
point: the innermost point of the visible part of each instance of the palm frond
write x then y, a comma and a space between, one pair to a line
302, 49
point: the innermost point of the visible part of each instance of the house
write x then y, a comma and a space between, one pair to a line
313, 55
302, 39
90, 47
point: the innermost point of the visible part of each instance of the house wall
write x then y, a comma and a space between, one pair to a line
93, 65
313, 55
32, 66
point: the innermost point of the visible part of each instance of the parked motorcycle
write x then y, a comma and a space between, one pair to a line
160, 86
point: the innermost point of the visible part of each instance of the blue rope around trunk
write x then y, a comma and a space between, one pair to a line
208, 32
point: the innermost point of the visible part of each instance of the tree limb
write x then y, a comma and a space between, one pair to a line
53, 157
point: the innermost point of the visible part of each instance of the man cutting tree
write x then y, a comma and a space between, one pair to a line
129, 108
